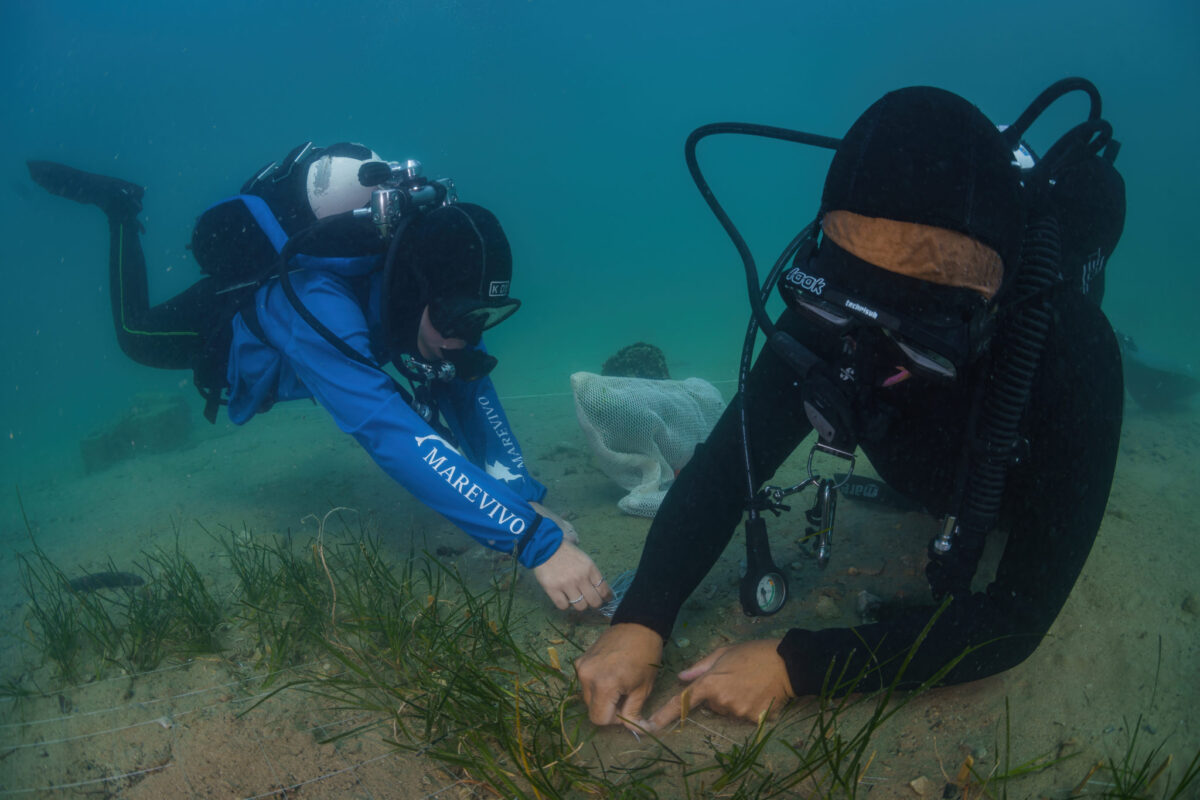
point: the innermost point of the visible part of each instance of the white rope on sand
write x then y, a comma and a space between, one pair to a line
164, 721
273, 793
351, 768
145, 703
92, 782
169, 723
83, 686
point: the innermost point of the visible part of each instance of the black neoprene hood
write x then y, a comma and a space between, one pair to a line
460, 251
928, 156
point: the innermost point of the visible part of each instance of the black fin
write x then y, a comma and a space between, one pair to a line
117, 198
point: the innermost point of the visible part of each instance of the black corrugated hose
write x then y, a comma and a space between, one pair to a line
1018, 353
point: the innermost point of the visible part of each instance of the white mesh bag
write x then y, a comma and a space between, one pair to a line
643, 431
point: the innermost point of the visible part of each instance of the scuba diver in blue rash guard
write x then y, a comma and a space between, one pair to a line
326, 266
942, 319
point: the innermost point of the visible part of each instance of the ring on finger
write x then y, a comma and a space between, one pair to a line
598, 583
576, 600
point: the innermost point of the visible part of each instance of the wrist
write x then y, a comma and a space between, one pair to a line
538, 542
800, 678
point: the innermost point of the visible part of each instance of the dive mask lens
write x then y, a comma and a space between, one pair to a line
467, 320
819, 311
923, 360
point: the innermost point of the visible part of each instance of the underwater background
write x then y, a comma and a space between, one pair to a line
568, 120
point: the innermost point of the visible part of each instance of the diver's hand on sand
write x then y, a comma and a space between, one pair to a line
571, 580
568, 529
617, 673
744, 680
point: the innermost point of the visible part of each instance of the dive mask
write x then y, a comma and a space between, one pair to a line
942, 335
467, 318
921, 359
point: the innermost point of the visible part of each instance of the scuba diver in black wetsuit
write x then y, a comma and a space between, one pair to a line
942, 316
326, 266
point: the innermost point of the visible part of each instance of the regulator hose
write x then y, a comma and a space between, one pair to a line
753, 288
1018, 353
1052, 93
747, 359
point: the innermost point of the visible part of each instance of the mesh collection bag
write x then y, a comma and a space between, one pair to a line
643, 431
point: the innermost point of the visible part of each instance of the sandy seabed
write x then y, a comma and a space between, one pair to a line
184, 730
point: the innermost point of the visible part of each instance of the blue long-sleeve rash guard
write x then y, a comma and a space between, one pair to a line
482, 487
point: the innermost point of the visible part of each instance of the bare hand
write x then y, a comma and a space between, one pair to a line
571, 580
617, 673
744, 680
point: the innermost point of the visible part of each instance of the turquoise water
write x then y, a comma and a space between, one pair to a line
567, 119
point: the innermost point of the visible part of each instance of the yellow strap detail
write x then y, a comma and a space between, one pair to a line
121, 281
